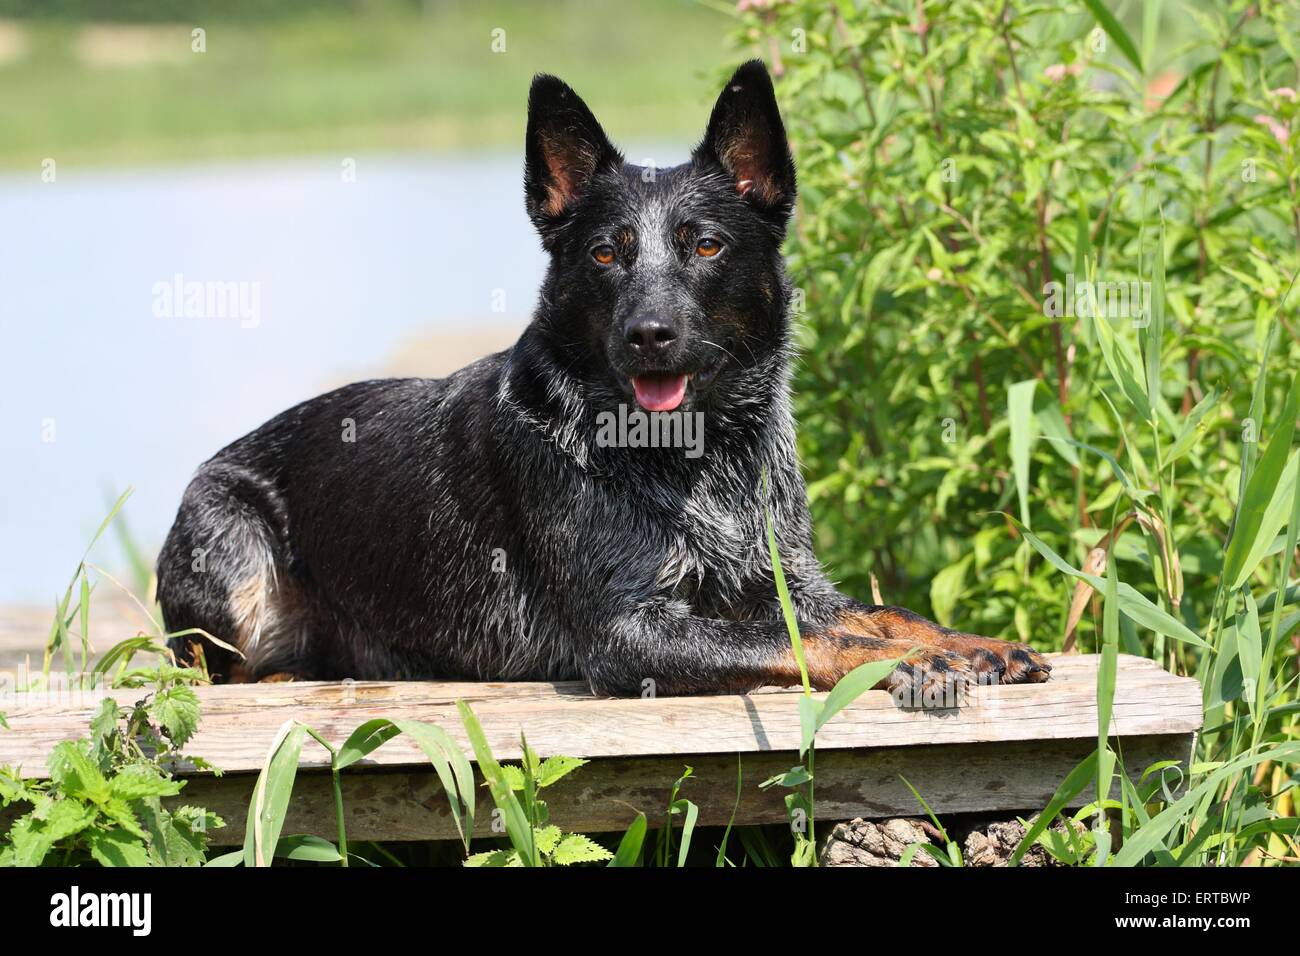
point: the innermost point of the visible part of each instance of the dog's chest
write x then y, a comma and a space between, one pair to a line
712, 547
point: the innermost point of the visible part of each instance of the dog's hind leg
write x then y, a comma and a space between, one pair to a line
224, 570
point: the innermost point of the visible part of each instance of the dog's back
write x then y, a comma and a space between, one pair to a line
361, 534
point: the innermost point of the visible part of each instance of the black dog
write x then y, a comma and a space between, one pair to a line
493, 525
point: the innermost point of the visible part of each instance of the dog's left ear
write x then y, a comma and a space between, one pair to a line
746, 137
564, 148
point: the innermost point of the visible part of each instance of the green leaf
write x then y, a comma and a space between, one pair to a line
116, 847
946, 588
547, 839
518, 827
453, 769
1070, 787
1192, 430
29, 841
629, 848
65, 818
103, 728
1137, 606
1020, 413
136, 781
233, 858
363, 741
688, 828
1275, 517
1052, 423
271, 793
1250, 651
1153, 334
307, 848
75, 775
514, 776
1260, 489
853, 685
177, 710
1148, 838
555, 768
1115, 30
809, 709
576, 848
178, 837
494, 858
1115, 352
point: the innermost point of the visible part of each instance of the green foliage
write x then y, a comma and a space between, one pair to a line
1047, 268
947, 175
535, 841
102, 801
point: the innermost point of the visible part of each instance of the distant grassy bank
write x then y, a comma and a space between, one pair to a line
375, 76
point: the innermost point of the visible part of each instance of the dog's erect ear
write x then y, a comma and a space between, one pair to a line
746, 137
565, 147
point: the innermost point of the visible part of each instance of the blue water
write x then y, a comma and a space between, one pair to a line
343, 272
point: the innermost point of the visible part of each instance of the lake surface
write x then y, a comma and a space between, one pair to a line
292, 277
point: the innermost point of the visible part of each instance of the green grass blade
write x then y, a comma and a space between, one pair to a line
1155, 330
853, 685
454, 770
518, 829
1149, 837
271, 794
629, 848
1020, 413
1134, 604
1115, 30
1106, 681
368, 737
783, 592
692, 814
1072, 786
1260, 489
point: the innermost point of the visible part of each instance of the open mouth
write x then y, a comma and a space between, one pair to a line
665, 391
659, 392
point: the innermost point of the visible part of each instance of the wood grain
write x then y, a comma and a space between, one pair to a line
605, 795
1005, 750
240, 720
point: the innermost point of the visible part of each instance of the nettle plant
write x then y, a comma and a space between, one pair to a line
1046, 255
103, 799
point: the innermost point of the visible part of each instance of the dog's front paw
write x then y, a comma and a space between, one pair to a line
932, 678
1002, 662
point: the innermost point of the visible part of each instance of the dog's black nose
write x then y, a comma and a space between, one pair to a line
648, 334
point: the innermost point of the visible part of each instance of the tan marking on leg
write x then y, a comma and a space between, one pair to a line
248, 606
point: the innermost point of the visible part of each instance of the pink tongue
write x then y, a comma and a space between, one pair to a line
659, 393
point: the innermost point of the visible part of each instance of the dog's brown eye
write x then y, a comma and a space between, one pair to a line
603, 254
708, 248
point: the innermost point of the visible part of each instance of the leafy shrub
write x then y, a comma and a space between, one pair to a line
948, 167
1046, 271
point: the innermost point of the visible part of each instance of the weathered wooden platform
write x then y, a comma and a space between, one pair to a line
1005, 751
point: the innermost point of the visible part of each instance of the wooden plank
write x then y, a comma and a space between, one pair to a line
240, 720
606, 794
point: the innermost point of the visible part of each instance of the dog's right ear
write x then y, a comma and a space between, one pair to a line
564, 149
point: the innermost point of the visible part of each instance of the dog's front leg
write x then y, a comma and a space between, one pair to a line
657, 649
991, 660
